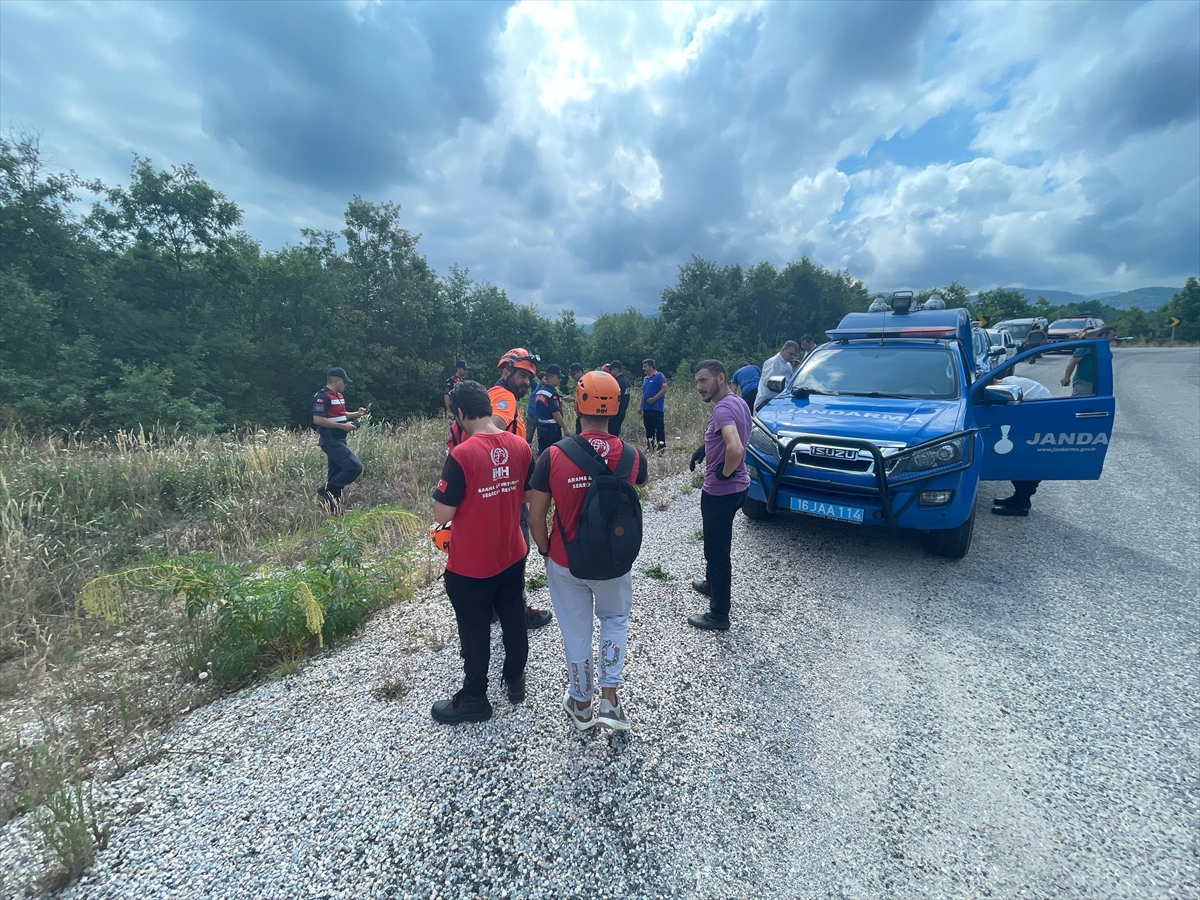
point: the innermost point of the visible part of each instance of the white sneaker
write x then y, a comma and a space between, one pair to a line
612, 716
582, 718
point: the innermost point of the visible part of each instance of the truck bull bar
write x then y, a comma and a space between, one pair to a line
885, 500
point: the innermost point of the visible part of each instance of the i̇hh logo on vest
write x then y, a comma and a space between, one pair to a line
499, 463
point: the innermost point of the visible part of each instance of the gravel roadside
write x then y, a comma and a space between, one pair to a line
878, 722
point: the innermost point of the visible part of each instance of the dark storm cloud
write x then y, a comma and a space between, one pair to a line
1147, 95
333, 101
744, 112
1121, 228
518, 173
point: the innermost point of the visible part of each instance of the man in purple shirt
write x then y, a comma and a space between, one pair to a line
725, 484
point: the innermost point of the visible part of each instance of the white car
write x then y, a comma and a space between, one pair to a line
1001, 338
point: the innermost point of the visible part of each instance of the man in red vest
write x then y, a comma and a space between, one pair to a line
482, 489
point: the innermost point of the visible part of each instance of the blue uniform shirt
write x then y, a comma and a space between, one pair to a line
651, 386
747, 378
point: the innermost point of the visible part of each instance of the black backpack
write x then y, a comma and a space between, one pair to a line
608, 537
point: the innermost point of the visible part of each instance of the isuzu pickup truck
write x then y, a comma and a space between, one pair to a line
893, 424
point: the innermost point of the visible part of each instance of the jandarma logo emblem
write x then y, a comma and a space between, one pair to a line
499, 456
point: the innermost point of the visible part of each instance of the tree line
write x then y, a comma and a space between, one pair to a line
155, 308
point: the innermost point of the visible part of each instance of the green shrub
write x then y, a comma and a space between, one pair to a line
258, 616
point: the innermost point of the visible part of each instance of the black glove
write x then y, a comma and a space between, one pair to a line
697, 457
721, 474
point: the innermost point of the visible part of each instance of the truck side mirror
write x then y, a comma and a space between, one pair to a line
1003, 394
775, 384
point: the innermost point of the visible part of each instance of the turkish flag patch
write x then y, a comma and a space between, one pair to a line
442, 485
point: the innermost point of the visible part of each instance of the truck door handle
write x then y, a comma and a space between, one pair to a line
1091, 415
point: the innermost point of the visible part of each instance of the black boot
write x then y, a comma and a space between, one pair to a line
709, 622
516, 689
701, 585
461, 708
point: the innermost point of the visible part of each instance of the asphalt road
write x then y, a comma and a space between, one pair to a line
1023, 722
878, 723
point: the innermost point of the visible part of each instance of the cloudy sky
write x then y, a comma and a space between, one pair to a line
577, 154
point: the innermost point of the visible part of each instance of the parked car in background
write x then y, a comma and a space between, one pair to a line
1074, 328
1020, 328
1003, 341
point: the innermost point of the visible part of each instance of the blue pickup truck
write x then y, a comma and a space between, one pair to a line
894, 423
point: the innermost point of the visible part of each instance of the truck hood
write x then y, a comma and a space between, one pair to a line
867, 418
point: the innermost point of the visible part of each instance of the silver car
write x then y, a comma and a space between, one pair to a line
1001, 338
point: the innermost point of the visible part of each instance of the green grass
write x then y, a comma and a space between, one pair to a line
657, 572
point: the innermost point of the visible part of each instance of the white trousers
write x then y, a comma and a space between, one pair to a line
574, 601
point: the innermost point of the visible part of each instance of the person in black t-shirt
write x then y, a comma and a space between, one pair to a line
618, 372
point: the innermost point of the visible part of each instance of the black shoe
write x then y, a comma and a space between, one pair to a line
461, 708
1010, 510
1014, 500
516, 690
701, 585
708, 622
536, 618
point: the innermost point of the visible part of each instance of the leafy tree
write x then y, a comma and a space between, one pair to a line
175, 213
999, 304
1185, 306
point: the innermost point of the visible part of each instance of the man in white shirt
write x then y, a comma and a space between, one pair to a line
779, 364
1020, 502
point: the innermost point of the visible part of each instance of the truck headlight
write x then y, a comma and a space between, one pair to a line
928, 457
764, 444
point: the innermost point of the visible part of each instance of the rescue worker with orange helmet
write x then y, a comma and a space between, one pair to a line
577, 598
518, 367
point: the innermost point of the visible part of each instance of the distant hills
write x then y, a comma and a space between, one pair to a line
1147, 299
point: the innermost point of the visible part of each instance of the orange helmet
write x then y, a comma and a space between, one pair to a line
520, 358
440, 535
597, 394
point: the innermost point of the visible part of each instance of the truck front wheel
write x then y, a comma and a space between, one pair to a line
952, 543
755, 509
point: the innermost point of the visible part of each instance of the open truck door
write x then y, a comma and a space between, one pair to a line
1056, 438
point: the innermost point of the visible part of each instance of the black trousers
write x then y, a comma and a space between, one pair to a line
656, 432
1024, 490
615, 423
750, 396
344, 466
547, 436
716, 514
473, 600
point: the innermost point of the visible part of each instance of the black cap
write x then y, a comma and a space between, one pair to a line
461, 364
553, 369
338, 372
617, 364
576, 367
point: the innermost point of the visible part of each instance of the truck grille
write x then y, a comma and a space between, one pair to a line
819, 457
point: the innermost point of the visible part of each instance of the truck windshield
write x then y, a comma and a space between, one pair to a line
1018, 332
917, 372
1069, 323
